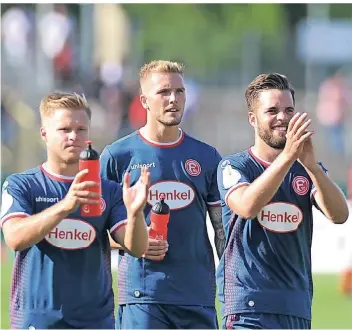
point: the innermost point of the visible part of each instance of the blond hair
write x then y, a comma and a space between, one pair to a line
160, 66
61, 100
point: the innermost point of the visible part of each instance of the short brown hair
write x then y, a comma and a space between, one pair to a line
266, 82
160, 66
61, 100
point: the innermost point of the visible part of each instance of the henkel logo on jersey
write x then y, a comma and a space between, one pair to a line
280, 217
177, 195
72, 234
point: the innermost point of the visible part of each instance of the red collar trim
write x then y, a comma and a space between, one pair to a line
55, 176
163, 145
258, 159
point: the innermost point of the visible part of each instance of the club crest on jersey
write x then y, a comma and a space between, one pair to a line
193, 167
280, 217
300, 185
230, 176
177, 195
72, 234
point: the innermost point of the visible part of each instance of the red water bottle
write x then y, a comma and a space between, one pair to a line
89, 159
159, 219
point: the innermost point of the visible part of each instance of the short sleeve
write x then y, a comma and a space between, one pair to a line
118, 214
230, 176
108, 166
213, 198
15, 201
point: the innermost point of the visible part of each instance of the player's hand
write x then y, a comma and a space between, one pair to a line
296, 136
157, 249
79, 193
135, 197
307, 157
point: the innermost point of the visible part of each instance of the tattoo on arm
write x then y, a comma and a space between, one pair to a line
216, 220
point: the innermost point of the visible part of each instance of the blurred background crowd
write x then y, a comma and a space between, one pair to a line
97, 49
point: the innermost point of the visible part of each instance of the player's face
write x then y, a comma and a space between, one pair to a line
65, 133
164, 97
274, 109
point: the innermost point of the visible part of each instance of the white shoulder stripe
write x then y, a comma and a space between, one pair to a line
232, 189
214, 203
118, 226
13, 215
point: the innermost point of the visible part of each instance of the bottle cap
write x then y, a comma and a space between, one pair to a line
161, 207
89, 153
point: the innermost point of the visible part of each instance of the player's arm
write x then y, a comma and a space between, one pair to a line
215, 216
248, 200
23, 232
113, 244
133, 237
328, 196
109, 171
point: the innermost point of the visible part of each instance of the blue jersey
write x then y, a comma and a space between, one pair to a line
184, 173
266, 266
67, 275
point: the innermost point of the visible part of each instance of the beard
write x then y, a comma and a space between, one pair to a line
174, 121
268, 137
170, 123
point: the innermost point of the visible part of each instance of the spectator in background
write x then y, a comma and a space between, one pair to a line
333, 109
56, 37
16, 29
137, 115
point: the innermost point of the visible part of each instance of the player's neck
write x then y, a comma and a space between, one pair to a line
60, 168
265, 152
161, 133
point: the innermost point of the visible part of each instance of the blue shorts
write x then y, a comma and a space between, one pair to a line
54, 320
264, 321
160, 316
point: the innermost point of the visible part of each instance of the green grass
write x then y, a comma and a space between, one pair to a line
330, 309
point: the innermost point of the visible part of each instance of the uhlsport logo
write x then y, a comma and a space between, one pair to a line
136, 166
177, 195
193, 167
300, 185
280, 217
72, 234
45, 199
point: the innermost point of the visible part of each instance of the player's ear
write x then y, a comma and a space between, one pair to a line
252, 118
144, 102
43, 134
